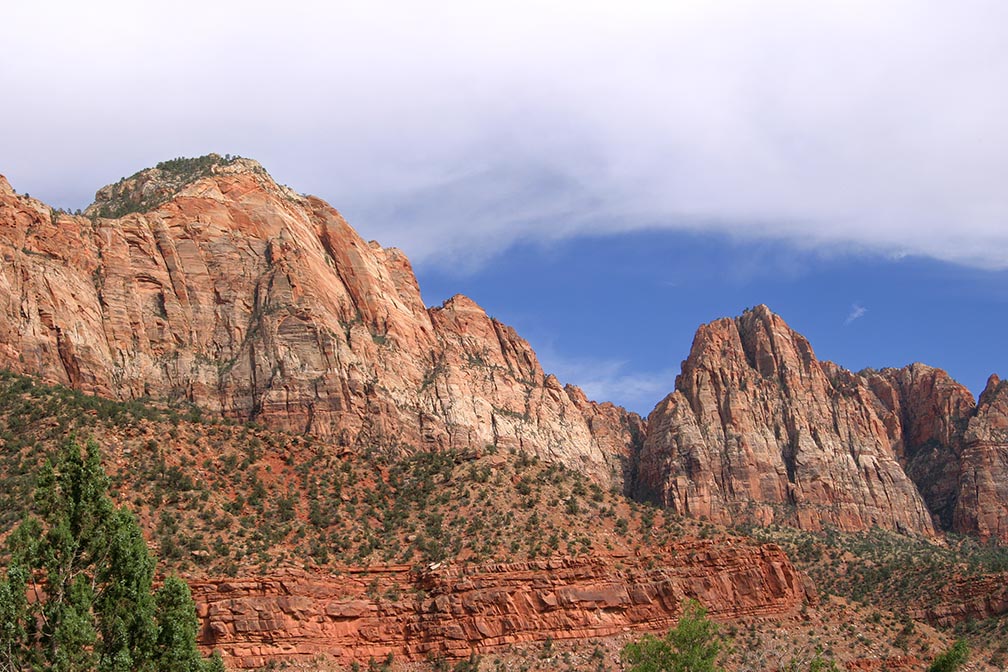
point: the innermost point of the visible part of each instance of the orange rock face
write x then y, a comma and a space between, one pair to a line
969, 599
982, 507
247, 299
454, 611
758, 427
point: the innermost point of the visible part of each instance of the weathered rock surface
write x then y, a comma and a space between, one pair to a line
758, 427
968, 599
229, 291
214, 285
457, 610
929, 411
982, 507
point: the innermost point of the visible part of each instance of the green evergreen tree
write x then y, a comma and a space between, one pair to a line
693, 645
13, 607
951, 660
176, 639
87, 570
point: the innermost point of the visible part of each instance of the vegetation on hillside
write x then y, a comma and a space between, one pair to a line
693, 645
222, 498
149, 188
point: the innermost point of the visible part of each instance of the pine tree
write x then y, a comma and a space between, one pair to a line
693, 645
88, 572
176, 640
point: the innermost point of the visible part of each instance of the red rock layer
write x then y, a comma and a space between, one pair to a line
969, 599
249, 300
894, 664
457, 610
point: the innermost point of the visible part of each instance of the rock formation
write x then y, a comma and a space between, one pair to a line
204, 281
982, 506
456, 610
758, 428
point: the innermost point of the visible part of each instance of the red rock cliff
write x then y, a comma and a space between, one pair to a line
457, 610
245, 298
757, 426
982, 505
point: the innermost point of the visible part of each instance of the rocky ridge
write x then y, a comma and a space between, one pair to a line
215, 286
219, 287
757, 428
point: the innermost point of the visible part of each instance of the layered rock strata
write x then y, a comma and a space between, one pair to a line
221, 288
455, 611
982, 505
758, 428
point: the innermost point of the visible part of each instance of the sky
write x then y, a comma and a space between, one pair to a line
602, 176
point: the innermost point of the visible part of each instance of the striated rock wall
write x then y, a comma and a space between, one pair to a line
982, 505
456, 610
757, 427
968, 599
247, 299
221, 288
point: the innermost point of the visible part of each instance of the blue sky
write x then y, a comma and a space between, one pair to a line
617, 314
603, 176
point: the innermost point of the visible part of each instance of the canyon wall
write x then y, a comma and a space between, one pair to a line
210, 284
758, 429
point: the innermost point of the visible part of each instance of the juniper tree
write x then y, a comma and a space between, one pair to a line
77, 594
693, 645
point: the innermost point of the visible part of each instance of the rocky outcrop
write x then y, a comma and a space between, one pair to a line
982, 506
758, 428
975, 598
203, 281
456, 610
930, 412
216, 286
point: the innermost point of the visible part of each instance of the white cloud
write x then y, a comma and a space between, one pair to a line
454, 129
857, 312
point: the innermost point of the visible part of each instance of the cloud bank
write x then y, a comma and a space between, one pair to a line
455, 129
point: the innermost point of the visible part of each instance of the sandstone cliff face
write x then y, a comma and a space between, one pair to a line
457, 610
758, 427
929, 411
982, 507
245, 298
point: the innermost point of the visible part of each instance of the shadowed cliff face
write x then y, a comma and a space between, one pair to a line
222, 288
982, 508
758, 427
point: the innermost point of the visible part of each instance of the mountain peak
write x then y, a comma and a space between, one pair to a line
147, 189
